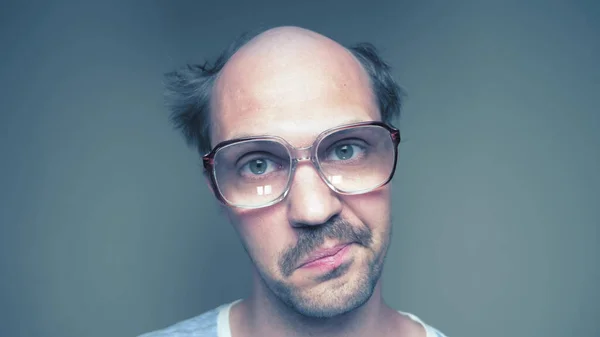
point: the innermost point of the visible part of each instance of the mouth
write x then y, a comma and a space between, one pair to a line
326, 259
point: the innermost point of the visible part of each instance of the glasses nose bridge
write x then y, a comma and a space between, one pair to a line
305, 154
301, 154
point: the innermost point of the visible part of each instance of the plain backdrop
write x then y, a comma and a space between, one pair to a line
108, 229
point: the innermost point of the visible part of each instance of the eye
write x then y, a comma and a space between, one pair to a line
345, 152
258, 166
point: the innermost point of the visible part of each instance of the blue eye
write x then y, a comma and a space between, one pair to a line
259, 166
345, 152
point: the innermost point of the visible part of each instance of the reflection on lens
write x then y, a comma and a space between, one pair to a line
263, 190
335, 179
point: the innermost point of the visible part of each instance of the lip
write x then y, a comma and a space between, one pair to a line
328, 258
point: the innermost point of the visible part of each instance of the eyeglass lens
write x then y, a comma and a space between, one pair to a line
256, 172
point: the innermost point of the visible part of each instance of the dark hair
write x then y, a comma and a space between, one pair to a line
189, 89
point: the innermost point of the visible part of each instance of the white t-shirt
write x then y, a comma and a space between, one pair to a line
215, 323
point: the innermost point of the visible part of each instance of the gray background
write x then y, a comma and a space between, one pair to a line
107, 228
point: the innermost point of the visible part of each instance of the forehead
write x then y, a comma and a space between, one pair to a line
290, 86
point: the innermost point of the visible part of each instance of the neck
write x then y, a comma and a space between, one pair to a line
263, 314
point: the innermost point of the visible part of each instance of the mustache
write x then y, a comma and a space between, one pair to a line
312, 237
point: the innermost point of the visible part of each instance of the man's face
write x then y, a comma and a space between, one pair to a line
296, 85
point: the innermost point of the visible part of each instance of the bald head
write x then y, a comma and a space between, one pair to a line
286, 69
283, 46
273, 72
287, 38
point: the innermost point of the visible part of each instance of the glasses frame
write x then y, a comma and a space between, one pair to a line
298, 155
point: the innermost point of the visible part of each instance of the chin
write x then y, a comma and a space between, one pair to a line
329, 298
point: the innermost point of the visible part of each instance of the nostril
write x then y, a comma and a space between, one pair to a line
310, 219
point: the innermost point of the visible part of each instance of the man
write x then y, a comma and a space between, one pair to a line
298, 148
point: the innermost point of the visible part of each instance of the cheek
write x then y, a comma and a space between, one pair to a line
264, 233
373, 209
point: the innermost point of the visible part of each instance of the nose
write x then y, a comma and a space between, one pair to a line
310, 201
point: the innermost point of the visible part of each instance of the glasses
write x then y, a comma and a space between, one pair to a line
255, 172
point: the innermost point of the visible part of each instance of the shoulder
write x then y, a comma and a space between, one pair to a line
429, 330
433, 332
204, 325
